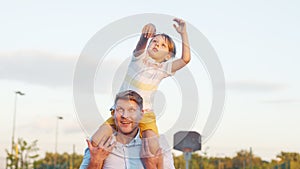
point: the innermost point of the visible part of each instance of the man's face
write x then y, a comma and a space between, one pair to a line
127, 116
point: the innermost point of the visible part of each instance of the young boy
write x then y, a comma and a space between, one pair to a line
145, 71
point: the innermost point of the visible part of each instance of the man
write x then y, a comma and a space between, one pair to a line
125, 148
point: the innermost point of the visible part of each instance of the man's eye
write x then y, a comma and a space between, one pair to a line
119, 110
131, 110
164, 45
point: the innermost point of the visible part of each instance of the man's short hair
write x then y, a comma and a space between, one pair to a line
130, 95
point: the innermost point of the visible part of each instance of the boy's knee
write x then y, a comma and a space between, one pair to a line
105, 130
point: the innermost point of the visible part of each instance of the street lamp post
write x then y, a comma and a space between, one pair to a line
56, 133
14, 120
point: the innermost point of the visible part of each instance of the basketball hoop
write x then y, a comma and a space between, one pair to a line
187, 142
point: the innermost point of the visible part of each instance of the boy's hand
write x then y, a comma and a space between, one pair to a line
148, 31
181, 28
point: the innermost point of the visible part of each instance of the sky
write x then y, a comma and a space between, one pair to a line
256, 43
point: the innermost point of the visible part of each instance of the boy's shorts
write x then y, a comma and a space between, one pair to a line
148, 122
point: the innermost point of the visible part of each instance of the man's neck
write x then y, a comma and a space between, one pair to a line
126, 138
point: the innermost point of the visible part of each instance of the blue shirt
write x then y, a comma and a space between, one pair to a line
127, 156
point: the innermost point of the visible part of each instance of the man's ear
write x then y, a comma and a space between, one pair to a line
142, 112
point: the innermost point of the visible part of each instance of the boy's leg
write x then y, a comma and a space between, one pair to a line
149, 131
153, 142
105, 130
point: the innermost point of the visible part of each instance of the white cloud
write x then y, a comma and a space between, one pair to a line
47, 125
280, 101
36, 67
52, 70
255, 86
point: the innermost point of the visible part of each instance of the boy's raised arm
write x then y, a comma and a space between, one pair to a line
186, 54
148, 31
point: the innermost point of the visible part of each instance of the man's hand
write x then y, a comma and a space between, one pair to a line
149, 160
181, 28
100, 152
148, 31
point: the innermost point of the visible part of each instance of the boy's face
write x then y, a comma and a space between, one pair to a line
158, 49
127, 116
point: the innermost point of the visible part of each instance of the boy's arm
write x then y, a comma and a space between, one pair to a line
148, 31
186, 54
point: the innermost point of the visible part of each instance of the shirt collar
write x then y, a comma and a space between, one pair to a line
150, 60
135, 141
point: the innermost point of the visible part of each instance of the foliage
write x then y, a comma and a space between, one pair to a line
63, 161
23, 155
288, 160
242, 160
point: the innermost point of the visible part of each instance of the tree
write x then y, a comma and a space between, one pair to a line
288, 160
245, 159
196, 162
23, 155
64, 161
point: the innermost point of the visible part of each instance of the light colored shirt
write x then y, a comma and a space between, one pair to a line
144, 75
127, 156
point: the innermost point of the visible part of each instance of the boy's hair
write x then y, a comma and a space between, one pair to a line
170, 42
130, 95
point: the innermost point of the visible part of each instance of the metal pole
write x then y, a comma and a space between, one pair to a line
14, 122
250, 157
56, 130
187, 157
73, 156
56, 134
14, 125
187, 164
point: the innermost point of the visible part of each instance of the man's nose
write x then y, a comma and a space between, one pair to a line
125, 114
